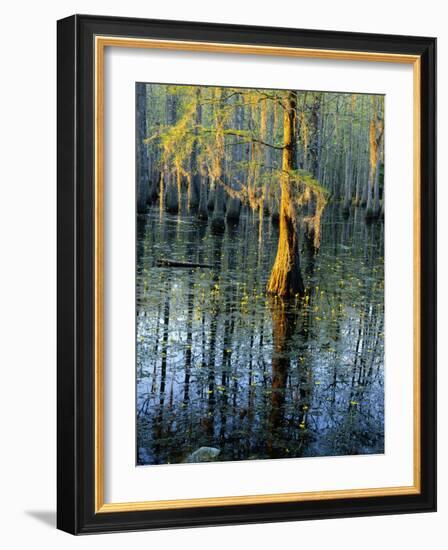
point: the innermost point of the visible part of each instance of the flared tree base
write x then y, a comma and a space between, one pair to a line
286, 279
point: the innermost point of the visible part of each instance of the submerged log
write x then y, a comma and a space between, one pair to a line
163, 262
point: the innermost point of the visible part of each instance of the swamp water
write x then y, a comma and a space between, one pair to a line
220, 364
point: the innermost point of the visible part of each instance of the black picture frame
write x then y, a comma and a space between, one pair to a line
76, 264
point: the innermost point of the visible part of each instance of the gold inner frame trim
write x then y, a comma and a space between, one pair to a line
101, 42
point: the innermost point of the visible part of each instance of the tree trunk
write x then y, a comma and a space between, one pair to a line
348, 164
211, 196
195, 177
218, 224
275, 209
376, 136
376, 190
202, 208
372, 171
172, 197
171, 194
233, 210
314, 134
153, 150
142, 151
320, 138
286, 277
359, 172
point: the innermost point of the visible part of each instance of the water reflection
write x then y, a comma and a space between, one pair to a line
220, 364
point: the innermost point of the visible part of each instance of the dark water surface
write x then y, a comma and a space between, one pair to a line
220, 364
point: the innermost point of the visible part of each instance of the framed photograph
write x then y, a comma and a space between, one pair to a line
246, 274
